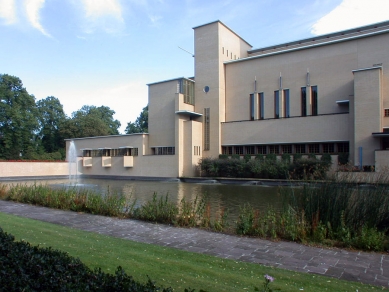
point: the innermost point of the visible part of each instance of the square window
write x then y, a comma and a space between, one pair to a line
328, 148
299, 148
343, 147
286, 148
261, 149
239, 150
314, 148
250, 150
386, 112
274, 149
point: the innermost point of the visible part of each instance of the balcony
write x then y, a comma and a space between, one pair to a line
87, 161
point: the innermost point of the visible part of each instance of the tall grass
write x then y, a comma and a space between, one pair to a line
337, 212
159, 209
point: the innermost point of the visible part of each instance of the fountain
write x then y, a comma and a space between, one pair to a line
72, 160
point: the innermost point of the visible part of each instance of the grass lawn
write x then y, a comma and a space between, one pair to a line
167, 266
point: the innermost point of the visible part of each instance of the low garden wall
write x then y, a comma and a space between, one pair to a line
13, 169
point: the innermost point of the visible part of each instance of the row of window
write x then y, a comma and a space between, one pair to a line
282, 103
163, 150
317, 148
110, 152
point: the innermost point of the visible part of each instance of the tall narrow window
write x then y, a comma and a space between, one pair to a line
303, 101
261, 104
286, 103
206, 128
276, 104
314, 100
252, 96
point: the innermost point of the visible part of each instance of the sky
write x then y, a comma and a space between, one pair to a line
104, 52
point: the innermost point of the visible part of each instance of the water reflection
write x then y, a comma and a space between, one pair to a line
221, 196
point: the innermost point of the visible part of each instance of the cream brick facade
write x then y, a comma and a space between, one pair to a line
327, 94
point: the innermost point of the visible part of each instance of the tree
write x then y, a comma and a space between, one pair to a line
51, 118
141, 124
18, 118
90, 121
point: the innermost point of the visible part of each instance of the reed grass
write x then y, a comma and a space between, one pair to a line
337, 212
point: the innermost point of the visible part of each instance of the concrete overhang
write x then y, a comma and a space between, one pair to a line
189, 113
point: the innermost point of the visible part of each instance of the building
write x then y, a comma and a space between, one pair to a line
327, 94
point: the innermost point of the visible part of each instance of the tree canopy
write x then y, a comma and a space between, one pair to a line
141, 124
32, 129
18, 118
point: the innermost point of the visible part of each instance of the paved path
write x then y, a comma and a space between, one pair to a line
371, 268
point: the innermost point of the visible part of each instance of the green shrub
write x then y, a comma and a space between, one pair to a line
297, 156
343, 158
247, 157
259, 157
285, 157
29, 268
326, 158
235, 156
223, 156
312, 156
271, 157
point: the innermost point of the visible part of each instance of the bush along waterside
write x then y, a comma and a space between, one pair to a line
266, 167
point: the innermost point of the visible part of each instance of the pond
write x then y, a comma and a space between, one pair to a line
220, 196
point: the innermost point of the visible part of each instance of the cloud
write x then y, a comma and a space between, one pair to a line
33, 8
104, 14
8, 11
352, 13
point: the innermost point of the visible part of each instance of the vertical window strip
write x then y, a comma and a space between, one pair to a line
206, 128
314, 100
276, 104
261, 104
252, 106
303, 101
286, 103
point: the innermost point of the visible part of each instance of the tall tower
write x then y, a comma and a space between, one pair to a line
214, 44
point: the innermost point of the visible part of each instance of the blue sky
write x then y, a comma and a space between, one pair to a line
104, 52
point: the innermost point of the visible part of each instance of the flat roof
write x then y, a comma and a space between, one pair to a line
325, 36
173, 79
109, 136
218, 21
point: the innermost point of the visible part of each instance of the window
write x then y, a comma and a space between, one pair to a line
314, 148
196, 150
276, 104
274, 149
162, 151
343, 147
206, 128
187, 89
252, 114
328, 148
314, 100
261, 104
303, 101
106, 152
239, 150
286, 148
87, 152
299, 148
250, 150
286, 103
386, 112
126, 151
261, 149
